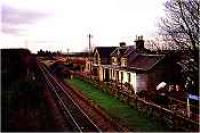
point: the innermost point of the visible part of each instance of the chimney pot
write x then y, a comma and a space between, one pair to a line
139, 42
122, 44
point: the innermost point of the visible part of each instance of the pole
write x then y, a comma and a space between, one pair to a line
188, 106
89, 41
89, 51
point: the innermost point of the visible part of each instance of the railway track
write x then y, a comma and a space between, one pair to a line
76, 118
102, 120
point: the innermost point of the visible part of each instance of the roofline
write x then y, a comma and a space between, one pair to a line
113, 51
162, 57
157, 62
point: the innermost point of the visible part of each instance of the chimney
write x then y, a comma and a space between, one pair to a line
122, 44
139, 42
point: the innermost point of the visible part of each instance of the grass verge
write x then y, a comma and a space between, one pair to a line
115, 108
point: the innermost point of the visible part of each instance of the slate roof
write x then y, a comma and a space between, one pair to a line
105, 52
137, 60
145, 62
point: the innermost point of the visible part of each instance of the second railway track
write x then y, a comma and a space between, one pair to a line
79, 121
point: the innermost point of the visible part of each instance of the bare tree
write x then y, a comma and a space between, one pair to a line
157, 44
181, 24
153, 44
180, 28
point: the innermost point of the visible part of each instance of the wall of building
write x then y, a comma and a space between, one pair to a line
101, 73
139, 81
149, 80
110, 74
95, 71
134, 81
113, 71
87, 67
156, 77
125, 79
142, 81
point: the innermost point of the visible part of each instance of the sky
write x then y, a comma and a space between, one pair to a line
65, 24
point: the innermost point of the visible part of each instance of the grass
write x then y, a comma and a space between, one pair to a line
115, 108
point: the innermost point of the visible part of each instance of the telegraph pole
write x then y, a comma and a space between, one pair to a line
89, 52
89, 40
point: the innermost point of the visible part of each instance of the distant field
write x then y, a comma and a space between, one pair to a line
115, 108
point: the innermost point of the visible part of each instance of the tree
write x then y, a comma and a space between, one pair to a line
180, 28
157, 44
181, 24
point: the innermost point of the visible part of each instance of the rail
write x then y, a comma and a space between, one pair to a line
79, 119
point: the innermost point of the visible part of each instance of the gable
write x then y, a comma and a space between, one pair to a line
96, 53
104, 52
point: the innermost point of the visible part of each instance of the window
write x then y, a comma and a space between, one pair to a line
113, 60
117, 75
129, 77
124, 62
122, 76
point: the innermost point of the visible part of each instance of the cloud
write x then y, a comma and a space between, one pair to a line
12, 29
14, 19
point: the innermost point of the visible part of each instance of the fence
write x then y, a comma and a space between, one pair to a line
169, 118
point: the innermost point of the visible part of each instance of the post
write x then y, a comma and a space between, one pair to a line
188, 86
188, 107
121, 79
89, 37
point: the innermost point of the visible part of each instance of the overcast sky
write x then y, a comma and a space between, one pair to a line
62, 24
